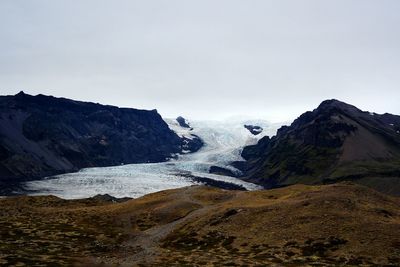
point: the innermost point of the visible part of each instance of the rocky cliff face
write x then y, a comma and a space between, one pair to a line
332, 143
43, 135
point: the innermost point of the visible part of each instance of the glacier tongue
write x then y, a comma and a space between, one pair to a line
223, 141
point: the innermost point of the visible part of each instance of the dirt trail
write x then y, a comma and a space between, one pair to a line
146, 244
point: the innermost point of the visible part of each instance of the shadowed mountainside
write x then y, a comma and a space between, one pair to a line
334, 142
329, 225
43, 135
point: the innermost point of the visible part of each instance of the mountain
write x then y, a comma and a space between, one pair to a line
334, 142
43, 135
329, 225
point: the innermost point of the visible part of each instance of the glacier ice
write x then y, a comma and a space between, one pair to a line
223, 141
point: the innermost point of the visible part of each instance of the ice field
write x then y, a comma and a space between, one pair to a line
223, 142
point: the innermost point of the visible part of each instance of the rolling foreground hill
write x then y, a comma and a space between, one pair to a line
332, 143
330, 225
43, 135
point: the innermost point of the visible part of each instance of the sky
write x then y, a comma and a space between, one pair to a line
205, 59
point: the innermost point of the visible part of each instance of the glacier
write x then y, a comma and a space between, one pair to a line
223, 142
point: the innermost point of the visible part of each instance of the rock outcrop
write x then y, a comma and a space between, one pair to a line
182, 122
254, 129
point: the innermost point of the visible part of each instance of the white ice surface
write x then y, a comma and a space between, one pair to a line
223, 144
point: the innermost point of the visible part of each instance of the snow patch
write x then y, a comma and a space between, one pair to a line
182, 132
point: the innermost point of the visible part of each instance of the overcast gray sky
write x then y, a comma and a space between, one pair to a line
205, 59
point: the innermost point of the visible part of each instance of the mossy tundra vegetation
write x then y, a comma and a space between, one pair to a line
329, 225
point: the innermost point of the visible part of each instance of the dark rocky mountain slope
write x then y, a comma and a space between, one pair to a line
43, 135
334, 142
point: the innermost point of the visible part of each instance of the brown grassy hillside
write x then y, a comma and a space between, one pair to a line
340, 224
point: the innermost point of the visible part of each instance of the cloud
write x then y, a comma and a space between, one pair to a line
205, 59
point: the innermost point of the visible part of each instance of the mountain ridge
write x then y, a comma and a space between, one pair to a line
44, 135
334, 142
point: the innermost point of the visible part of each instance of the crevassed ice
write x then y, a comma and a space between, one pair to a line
223, 144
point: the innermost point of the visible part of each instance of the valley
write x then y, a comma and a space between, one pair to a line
223, 142
200, 133
320, 192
